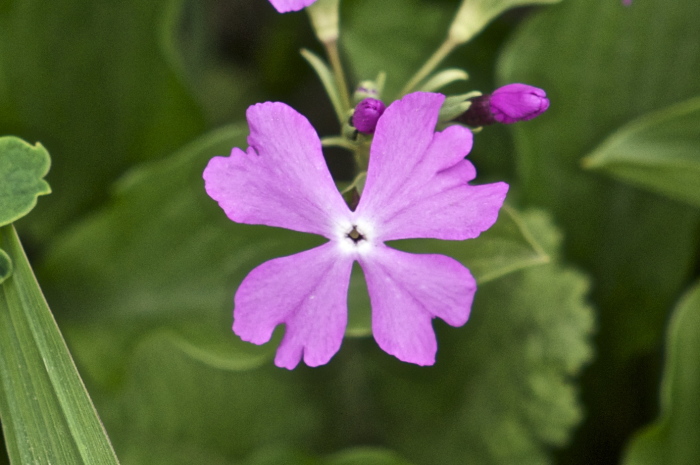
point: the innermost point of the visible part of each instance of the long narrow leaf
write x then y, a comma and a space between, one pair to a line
47, 415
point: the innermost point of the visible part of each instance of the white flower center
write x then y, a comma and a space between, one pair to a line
355, 237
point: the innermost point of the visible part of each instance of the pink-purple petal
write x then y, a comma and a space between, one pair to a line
401, 138
285, 6
307, 292
406, 292
433, 198
282, 179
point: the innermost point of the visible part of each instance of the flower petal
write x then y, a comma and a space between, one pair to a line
284, 6
417, 185
406, 291
308, 293
282, 180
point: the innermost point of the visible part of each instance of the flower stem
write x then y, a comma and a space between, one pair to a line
445, 49
337, 66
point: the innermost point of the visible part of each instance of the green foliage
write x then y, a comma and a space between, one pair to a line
475, 15
368, 37
659, 151
97, 82
503, 393
22, 168
601, 69
673, 439
46, 413
161, 353
604, 67
5, 266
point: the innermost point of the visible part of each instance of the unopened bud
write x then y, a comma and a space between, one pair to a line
508, 104
366, 115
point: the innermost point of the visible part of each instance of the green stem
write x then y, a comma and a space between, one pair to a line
445, 49
334, 58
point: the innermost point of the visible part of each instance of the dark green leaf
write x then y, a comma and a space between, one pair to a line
96, 81
506, 247
22, 168
659, 151
603, 67
46, 413
371, 30
501, 391
673, 438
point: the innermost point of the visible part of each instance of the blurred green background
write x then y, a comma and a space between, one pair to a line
583, 346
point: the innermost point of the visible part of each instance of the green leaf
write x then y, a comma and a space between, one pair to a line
46, 412
22, 168
370, 30
102, 97
502, 390
5, 266
638, 246
506, 247
475, 15
365, 456
172, 409
658, 151
603, 67
672, 439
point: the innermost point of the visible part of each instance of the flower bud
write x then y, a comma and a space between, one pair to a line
507, 104
366, 115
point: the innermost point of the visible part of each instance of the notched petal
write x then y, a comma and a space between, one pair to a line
406, 292
307, 292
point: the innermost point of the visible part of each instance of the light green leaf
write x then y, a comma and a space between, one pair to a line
475, 15
102, 97
659, 152
673, 438
5, 266
365, 456
46, 413
22, 168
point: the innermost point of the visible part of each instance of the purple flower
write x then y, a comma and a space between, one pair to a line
285, 6
508, 104
366, 115
416, 187
627, 2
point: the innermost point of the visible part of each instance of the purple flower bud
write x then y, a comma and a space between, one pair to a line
508, 104
366, 115
517, 102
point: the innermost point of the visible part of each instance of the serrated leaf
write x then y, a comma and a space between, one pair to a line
603, 67
22, 168
673, 438
506, 247
501, 391
624, 236
46, 413
659, 151
102, 97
